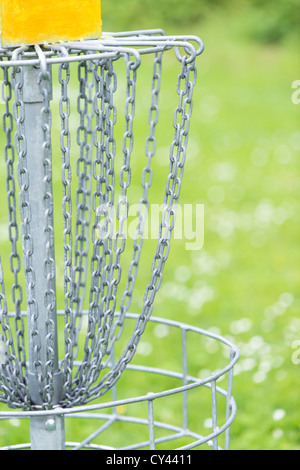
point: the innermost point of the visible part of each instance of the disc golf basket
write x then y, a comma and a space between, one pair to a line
68, 270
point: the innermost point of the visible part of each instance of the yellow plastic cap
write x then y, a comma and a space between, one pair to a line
39, 21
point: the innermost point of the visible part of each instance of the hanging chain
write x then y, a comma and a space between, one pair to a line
15, 262
113, 270
185, 85
21, 147
103, 200
12, 383
96, 199
142, 212
66, 175
47, 391
116, 331
181, 122
83, 170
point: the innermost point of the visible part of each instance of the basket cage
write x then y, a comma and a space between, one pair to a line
69, 272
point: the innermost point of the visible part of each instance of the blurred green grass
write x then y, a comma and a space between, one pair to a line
243, 165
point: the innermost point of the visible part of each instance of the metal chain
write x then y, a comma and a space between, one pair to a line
142, 212
47, 391
185, 85
114, 271
108, 271
96, 199
12, 384
75, 276
83, 170
103, 200
181, 122
21, 147
15, 261
116, 330
66, 174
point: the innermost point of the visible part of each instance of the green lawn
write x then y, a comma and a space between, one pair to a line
243, 165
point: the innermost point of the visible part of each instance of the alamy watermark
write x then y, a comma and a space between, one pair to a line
182, 222
296, 353
296, 93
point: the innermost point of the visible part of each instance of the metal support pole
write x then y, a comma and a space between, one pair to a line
45, 432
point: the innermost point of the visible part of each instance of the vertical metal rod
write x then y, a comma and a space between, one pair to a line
151, 422
45, 432
214, 413
114, 387
184, 378
228, 401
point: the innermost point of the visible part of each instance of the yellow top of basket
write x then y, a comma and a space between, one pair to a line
38, 21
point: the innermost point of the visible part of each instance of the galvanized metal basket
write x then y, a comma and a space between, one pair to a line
182, 411
73, 225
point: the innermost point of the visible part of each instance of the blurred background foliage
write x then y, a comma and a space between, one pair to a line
243, 164
267, 21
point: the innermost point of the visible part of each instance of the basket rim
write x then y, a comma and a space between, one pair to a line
194, 382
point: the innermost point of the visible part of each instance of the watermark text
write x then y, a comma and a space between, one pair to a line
125, 221
296, 93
